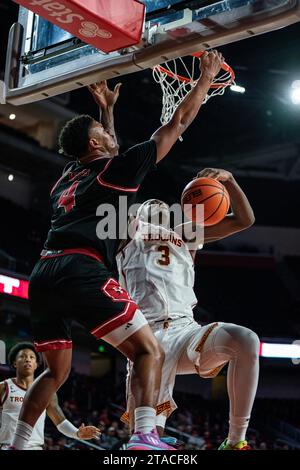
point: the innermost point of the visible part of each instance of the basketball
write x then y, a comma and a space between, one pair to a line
209, 192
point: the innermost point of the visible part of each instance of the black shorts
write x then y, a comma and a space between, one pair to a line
75, 285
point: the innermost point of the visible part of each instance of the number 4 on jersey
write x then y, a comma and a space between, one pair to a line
67, 197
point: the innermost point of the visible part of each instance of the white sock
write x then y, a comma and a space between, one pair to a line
22, 435
237, 429
161, 421
144, 419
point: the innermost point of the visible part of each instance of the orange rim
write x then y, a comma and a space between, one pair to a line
215, 85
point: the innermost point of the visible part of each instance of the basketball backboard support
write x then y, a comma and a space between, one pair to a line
44, 60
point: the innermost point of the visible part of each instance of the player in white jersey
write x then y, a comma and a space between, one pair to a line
157, 268
12, 392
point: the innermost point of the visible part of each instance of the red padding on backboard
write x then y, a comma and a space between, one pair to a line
108, 25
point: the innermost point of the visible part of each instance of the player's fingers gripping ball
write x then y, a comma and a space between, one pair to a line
209, 193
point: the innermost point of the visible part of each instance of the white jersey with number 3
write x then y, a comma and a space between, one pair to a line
157, 270
11, 407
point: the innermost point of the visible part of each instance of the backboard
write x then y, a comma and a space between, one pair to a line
43, 60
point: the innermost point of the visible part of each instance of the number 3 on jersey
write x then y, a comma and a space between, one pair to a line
67, 197
164, 260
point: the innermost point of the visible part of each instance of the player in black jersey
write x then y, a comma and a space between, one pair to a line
74, 279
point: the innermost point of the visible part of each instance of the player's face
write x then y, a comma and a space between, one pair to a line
100, 139
155, 212
25, 362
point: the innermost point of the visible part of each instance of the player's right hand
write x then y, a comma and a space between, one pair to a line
210, 64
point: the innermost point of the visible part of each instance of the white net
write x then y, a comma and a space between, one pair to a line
178, 76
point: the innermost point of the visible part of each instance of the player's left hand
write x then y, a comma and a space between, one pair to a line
88, 432
216, 173
103, 96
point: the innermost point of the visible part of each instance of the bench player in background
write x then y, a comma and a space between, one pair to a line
25, 360
75, 277
157, 269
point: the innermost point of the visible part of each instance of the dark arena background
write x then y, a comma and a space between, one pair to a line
250, 279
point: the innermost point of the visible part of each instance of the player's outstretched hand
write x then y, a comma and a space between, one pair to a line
103, 96
216, 173
210, 64
88, 432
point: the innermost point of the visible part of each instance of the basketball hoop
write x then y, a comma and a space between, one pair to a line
178, 76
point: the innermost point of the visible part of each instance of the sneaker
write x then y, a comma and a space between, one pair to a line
171, 441
241, 445
149, 441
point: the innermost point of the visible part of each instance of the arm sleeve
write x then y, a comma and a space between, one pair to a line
68, 429
125, 172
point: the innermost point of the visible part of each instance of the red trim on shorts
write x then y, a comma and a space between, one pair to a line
19, 386
124, 317
6, 393
56, 344
114, 186
91, 252
260, 348
116, 293
125, 298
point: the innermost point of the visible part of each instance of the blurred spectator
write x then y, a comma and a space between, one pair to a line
110, 439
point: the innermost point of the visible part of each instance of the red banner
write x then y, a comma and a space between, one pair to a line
107, 25
13, 286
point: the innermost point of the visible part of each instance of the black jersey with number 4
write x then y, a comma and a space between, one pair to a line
82, 188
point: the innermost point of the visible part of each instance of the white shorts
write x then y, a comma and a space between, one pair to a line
182, 341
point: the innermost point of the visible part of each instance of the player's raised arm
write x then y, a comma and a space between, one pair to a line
106, 100
242, 215
166, 136
64, 426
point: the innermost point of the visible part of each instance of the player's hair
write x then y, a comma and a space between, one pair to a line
17, 348
74, 136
